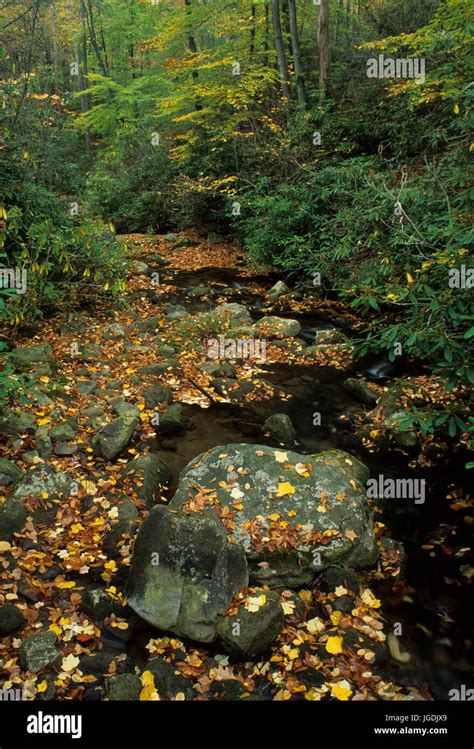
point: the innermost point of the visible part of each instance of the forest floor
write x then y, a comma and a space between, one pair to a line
104, 357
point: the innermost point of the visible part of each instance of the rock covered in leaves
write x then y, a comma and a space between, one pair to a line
277, 327
184, 572
148, 474
43, 489
293, 514
248, 630
114, 437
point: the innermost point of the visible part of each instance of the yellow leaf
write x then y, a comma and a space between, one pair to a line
147, 679
303, 469
280, 457
149, 690
65, 585
285, 488
409, 278
70, 662
342, 690
334, 645
42, 686
456, 108
274, 516
370, 600
57, 630
4, 546
288, 607
42, 422
315, 626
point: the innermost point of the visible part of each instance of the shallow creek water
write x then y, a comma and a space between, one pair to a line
436, 620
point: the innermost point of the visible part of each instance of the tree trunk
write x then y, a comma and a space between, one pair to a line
193, 49
295, 45
266, 34
323, 44
252, 31
84, 80
280, 50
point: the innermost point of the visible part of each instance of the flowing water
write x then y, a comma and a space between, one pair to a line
435, 617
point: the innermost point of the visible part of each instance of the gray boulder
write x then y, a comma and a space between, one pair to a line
233, 313
25, 356
280, 428
330, 521
9, 472
124, 523
124, 687
12, 422
114, 437
156, 394
329, 336
359, 387
38, 481
248, 632
11, 619
12, 518
184, 572
278, 290
39, 651
147, 474
277, 327
170, 420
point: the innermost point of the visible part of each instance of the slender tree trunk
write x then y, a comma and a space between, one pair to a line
295, 45
193, 49
252, 31
323, 44
286, 25
56, 68
93, 37
266, 34
84, 80
280, 50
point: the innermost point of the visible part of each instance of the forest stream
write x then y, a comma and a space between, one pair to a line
108, 355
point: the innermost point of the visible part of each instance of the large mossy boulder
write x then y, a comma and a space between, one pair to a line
184, 572
293, 514
114, 437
